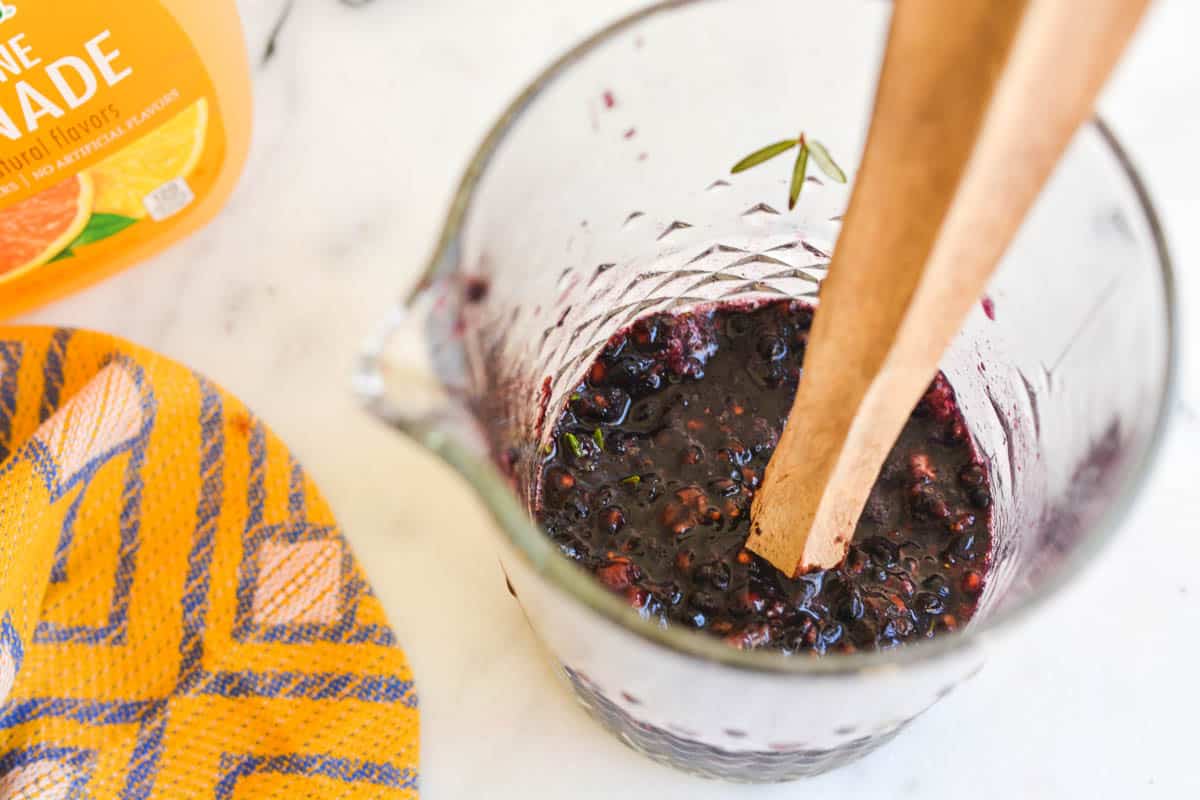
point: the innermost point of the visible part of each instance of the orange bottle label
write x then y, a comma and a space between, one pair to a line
109, 132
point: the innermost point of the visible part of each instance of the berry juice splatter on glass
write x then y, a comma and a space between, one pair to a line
659, 451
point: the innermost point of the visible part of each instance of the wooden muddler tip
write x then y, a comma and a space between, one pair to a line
976, 102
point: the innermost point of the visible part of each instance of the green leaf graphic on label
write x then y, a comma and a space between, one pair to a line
101, 226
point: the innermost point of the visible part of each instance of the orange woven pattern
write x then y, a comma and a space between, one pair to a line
179, 613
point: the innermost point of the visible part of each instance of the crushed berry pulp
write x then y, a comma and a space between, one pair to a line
655, 459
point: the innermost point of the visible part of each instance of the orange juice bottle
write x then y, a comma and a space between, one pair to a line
123, 128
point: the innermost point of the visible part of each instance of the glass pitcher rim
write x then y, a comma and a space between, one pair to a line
533, 545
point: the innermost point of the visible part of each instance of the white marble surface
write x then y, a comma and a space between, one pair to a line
365, 116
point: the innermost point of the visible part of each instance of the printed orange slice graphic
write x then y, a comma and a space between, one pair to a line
169, 151
38, 228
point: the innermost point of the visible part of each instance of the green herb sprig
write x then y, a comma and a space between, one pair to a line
818, 151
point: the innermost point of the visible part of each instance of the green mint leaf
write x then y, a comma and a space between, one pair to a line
826, 163
798, 176
632, 480
573, 442
102, 226
598, 438
765, 154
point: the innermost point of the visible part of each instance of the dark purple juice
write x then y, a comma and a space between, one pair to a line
659, 451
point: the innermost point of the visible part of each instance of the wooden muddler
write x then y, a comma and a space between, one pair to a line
976, 102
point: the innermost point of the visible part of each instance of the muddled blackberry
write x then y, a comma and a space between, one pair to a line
659, 452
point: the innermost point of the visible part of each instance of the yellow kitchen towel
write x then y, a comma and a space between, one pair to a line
180, 616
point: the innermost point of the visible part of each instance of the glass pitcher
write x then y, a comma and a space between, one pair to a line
603, 194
